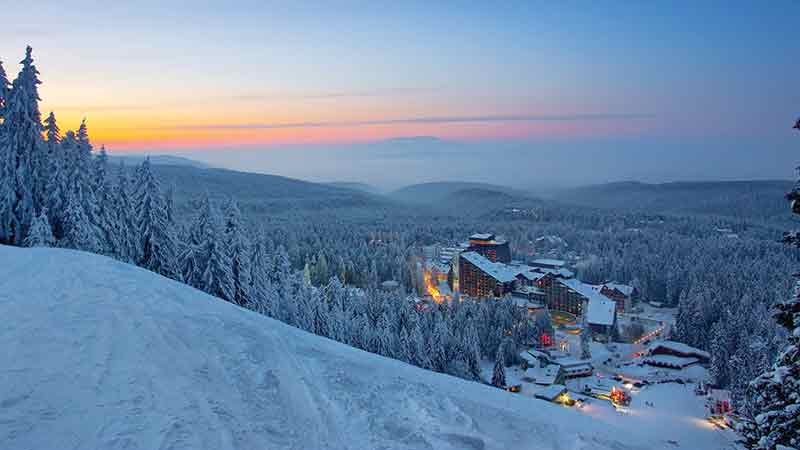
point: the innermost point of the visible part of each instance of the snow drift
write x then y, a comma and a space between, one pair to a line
100, 354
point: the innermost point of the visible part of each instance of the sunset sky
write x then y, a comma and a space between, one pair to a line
202, 75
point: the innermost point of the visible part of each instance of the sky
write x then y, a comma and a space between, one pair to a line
248, 84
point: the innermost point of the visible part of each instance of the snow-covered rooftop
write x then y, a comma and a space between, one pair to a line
582, 288
499, 271
543, 375
482, 236
549, 262
623, 288
531, 275
669, 361
600, 311
678, 347
551, 392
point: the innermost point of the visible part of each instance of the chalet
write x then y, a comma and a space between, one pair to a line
545, 376
674, 355
669, 361
679, 350
601, 318
534, 358
574, 368
556, 393
623, 294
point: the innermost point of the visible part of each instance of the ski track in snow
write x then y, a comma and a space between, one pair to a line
99, 354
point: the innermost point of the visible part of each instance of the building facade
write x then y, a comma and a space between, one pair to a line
491, 247
478, 277
622, 294
561, 296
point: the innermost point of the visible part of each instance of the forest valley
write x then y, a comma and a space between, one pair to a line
57, 190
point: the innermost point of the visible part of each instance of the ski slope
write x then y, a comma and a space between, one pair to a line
100, 354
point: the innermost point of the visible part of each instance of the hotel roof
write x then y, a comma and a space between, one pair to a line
482, 236
498, 271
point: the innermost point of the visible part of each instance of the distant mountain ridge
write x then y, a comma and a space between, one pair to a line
163, 160
356, 186
438, 191
745, 198
259, 195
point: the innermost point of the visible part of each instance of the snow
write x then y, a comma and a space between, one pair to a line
600, 311
676, 415
582, 288
551, 392
548, 262
543, 375
498, 271
482, 236
669, 361
100, 354
679, 347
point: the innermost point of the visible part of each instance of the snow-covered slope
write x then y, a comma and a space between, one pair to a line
100, 354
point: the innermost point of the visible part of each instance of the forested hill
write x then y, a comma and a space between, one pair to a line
356, 186
438, 192
745, 199
161, 160
260, 194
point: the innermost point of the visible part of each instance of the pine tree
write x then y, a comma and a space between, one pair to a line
5, 89
8, 195
55, 196
499, 373
214, 261
156, 246
239, 247
41, 234
586, 342
260, 288
52, 133
84, 173
127, 240
79, 233
22, 142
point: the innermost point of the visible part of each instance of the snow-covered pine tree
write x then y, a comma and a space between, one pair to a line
40, 234
8, 195
5, 88
52, 133
156, 246
108, 219
499, 373
586, 342
127, 241
55, 199
214, 261
260, 286
472, 352
79, 232
239, 246
320, 316
84, 174
22, 142
776, 393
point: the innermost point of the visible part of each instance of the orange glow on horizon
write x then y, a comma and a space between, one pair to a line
151, 137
